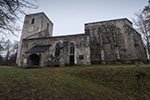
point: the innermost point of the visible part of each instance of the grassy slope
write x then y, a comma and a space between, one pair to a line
97, 82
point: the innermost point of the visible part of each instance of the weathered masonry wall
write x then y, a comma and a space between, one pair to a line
115, 41
105, 42
41, 23
82, 49
35, 25
136, 46
39, 34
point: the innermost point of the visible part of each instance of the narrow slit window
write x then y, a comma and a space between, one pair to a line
71, 49
32, 21
47, 25
57, 50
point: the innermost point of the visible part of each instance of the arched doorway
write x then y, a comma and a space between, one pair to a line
72, 56
33, 60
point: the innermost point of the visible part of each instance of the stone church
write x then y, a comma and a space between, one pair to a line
104, 42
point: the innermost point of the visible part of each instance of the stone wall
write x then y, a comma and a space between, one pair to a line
81, 43
36, 29
135, 47
105, 42
40, 24
41, 34
114, 42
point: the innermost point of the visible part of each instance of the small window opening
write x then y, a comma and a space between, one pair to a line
57, 50
47, 25
81, 57
32, 21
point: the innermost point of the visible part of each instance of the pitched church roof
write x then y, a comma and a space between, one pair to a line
38, 49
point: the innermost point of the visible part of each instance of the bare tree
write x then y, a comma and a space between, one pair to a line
13, 53
9, 52
9, 13
142, 23
7, 49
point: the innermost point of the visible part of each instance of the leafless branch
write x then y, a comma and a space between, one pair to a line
9, 13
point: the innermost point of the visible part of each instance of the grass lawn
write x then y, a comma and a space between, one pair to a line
96, 82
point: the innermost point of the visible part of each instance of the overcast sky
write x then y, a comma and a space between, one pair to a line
69, 16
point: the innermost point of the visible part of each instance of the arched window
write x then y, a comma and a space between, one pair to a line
32, 22
72, 56
57, 50
72, 49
